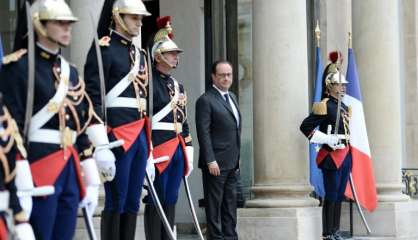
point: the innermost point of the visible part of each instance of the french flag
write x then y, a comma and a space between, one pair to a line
363, 176
315, 174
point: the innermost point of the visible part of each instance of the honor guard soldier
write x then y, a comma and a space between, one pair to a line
126, 91
10, 145
61, 130
328, 125
170, 132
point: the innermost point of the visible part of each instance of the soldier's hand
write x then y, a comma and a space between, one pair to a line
105, 163
214, 169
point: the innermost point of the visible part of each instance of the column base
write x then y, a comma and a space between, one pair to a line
390, 220
303, 223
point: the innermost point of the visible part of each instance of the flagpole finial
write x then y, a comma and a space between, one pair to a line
350, 43
317, 33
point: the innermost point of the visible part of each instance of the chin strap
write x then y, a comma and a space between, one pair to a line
165, 62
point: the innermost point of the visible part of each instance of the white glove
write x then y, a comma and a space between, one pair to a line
104, 157
331, 140
190, 153
24, 183
24, 231
92, 180
90, 201
106, 163
150, 168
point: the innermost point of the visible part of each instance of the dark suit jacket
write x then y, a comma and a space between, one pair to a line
217, 130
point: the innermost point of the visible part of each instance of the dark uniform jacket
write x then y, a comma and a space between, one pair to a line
324, 114
13, 78
163, 88
117, 53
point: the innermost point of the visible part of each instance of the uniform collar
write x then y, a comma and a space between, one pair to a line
162, 75
120, 38
46, 53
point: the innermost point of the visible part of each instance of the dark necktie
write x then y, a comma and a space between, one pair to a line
226, 96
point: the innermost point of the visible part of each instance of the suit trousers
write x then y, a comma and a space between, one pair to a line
221, 204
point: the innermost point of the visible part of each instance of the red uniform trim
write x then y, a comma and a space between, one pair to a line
46, 170
3, 230
337, 156
129, 132
168, 149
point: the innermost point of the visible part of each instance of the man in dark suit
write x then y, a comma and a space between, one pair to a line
218, 123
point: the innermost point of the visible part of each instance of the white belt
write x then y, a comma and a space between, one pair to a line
50, 136
4, 200
124, 83
168, 108
127, 102
48, 111
177, 127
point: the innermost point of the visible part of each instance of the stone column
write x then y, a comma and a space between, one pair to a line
83, 30
410, 63
335, 22
281, 208
376, 41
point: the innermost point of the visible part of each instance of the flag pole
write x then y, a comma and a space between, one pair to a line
350, 42
317, 33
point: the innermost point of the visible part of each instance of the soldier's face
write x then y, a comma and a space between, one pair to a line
338, 89
172, 58
133, 23
223, 76
59, 31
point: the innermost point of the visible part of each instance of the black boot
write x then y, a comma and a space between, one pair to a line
109, 225
170, 212
152, 224
127, 226
328, 218
337, 217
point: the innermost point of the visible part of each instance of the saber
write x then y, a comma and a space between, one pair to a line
353, 189
111, 145
31, 73
150, 87
89, 224
160, 210
101, 72
8, 217
189, 198
337, 120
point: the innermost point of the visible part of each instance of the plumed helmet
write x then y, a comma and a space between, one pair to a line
163, 38
332, 72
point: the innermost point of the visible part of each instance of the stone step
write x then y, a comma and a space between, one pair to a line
81, 232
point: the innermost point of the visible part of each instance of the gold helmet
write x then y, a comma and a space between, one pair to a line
332, 73
45, 10
335, 77
163, 42
136, 7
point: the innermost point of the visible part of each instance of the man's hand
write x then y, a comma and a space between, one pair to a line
214, 168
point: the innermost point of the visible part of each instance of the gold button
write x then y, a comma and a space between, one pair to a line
131, 77
52, 107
